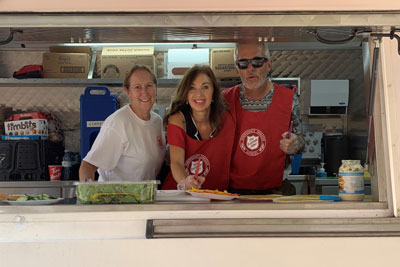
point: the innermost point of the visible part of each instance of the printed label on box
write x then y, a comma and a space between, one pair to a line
23, 137
116, 62
222, 63
92, 124
26, 127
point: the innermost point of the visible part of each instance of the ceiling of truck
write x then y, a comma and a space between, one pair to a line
178, 34
193, 27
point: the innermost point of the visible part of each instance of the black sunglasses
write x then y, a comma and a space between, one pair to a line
256, 62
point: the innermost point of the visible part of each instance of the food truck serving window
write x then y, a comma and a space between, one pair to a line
369, 136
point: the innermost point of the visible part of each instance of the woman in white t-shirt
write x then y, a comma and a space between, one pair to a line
131, 142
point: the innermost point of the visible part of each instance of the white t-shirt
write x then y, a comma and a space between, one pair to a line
128, 148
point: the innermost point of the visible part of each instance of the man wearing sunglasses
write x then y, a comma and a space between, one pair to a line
268, 125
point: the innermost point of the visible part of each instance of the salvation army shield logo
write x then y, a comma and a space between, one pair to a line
252, 142
191, 165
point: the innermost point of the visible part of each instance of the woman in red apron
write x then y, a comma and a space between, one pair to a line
200, 133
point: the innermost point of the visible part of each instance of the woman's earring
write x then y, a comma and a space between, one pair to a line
187, 102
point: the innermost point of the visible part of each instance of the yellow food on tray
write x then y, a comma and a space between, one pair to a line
259, 197
217, 192
9, 197
298, 198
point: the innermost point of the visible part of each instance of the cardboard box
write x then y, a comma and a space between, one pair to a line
34, 123
66, 62
180, 60
222, 63
116, 62
26, 127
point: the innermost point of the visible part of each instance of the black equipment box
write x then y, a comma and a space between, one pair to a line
28, 160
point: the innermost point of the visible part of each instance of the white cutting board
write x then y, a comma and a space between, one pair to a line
177, 196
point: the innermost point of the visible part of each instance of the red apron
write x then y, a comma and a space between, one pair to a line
215, 154
257, 161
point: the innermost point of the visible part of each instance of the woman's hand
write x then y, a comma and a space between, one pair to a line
190, 182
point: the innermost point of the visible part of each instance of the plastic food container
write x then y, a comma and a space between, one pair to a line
351, 180
116, 192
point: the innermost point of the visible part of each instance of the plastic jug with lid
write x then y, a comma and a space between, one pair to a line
351, 180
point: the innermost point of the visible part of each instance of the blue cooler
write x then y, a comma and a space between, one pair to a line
96, 105
295, 162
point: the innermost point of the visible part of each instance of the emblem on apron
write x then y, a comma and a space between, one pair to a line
252, 142
191, 165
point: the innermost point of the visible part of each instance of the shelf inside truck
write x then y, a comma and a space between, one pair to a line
162, 82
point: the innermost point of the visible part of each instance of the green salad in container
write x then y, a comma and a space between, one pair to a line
116, 192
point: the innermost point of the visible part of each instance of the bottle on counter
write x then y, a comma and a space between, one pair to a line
321, 173
76, 163
66, 163
351, 180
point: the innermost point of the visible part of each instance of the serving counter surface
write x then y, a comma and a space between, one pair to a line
164, 202
64, 189
68, 205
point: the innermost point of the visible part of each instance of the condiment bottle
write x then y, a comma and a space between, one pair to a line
322, 173
351, 180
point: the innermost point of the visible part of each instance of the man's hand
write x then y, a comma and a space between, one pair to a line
289, 145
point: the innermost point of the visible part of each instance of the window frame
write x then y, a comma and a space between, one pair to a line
385, 173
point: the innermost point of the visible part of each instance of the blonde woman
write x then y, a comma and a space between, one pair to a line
131, 142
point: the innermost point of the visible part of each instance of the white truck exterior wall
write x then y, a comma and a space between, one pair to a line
197, 6
134, 251
232, 252
391, 78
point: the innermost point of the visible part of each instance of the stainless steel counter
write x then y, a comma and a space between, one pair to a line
65, 189
305, 184
309, 184
334, 181
329, 186
192, 207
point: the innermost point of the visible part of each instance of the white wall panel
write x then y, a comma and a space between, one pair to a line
199, 6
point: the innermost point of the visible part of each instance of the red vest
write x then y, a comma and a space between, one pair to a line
215, 154
257, 161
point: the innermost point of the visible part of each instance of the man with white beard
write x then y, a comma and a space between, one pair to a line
268, 125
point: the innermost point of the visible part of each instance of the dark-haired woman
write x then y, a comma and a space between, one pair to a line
200, 133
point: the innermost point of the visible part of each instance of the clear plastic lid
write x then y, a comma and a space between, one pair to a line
90, 182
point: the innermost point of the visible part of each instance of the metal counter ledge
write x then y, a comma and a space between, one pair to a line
235, 205
64, 189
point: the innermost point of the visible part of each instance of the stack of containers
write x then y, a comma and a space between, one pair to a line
96, 104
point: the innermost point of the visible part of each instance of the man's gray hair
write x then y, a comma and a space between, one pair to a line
265, 45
